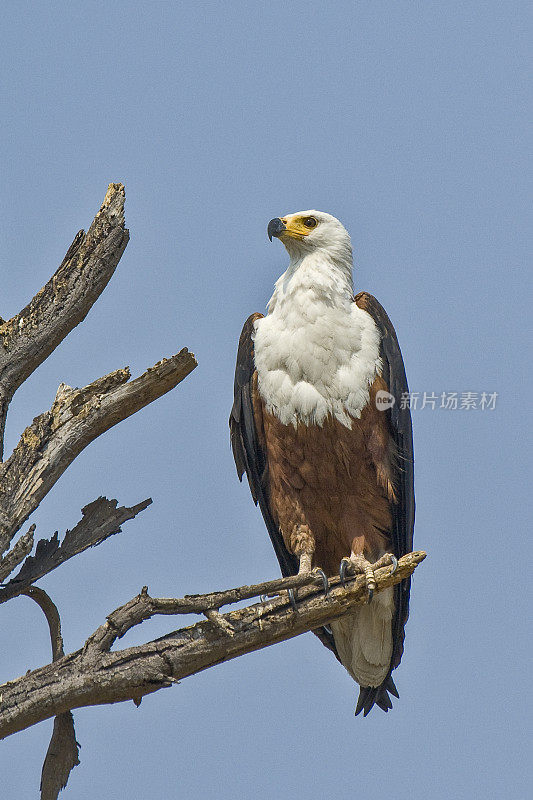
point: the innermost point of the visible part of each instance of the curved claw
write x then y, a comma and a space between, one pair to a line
292, 599
320, 573
394, 564
370, 595
345, 563
263, 598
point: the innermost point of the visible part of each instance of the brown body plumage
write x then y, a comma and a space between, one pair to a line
330, 487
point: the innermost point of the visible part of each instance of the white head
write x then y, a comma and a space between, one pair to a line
312, 232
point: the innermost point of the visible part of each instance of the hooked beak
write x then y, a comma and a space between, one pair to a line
275, 228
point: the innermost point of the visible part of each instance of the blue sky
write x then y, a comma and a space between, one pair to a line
407, 120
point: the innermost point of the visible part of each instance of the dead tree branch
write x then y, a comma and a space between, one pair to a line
100, 520
94, 675
29, 337
77, 417
61, 757
51, 613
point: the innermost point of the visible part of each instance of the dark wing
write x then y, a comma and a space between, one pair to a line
250, 456
403, 512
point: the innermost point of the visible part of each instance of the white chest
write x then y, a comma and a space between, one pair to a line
316, 354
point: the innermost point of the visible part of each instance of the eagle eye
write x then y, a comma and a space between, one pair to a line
310, 222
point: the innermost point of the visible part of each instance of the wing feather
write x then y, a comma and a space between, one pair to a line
403, 512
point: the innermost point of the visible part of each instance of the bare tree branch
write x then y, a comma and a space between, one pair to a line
77, 417
62, 753
101, 519
93, 675
29, 337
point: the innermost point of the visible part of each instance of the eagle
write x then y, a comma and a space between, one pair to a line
320, 428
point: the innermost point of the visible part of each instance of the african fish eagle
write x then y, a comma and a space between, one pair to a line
331, 467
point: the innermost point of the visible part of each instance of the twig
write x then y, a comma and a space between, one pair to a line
142, 607
214, 616
93, 675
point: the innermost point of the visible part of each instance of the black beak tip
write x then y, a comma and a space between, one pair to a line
275, 227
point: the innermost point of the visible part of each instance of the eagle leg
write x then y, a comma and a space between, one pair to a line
306, 568
305, 565
304, 549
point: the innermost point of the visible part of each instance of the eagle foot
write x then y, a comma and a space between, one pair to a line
358, 564
345, 565
316, 572
385, 561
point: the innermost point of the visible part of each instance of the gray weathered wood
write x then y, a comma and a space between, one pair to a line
18, 553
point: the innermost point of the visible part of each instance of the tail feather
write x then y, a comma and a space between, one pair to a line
378, 695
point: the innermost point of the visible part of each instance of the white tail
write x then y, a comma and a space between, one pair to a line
364, 639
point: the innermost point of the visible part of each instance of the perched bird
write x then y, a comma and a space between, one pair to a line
318, 427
